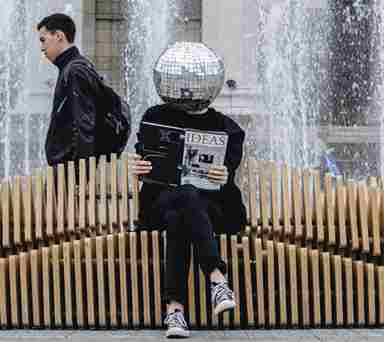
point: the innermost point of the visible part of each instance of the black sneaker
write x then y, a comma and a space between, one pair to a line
176, 325
222, 297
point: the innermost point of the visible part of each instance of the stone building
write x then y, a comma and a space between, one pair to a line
307, 75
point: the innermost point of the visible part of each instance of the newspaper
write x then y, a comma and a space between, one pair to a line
201, 151
181, 156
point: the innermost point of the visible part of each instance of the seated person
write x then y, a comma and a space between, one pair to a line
191, 215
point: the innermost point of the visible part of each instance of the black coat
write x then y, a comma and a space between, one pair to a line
227, 205
71, 133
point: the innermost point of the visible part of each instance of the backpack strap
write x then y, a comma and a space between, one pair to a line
82, 63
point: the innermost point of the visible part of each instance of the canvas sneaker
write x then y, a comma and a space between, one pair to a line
176, 325
222, 297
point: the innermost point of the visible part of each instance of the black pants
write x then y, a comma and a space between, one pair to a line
187, 217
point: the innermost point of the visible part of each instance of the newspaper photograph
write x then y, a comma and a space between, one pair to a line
202, 150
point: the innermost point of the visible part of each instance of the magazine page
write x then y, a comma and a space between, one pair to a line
202, 149
163, 146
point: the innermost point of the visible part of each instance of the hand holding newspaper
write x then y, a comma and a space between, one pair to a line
184, 156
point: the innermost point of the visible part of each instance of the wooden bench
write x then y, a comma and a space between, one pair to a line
311, 255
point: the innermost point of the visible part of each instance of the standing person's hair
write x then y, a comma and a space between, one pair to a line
59, 22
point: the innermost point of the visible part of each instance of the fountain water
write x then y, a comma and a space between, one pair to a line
26, 84
284, 50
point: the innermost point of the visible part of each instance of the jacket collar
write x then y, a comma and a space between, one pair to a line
65, 57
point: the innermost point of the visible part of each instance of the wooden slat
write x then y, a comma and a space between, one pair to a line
224, 257
61, 199
327, 289
79, 284
46, 268
329, 210
4, 293
304, 287
320, 236
252, 176
72, 198
380, 286
36, 288
82, 195
28, 212
191, 291
69, 290
102, 167
363, 217
277, 230
90, 286
112, 281
235, 279
14, 285
56, 272
145, 278
134, 279
17, 210
259, 282
100, 273
352, 214
307, 205
135, 198
358, 268
203, 300
293, 285
50, 203
38, 209
374, 221
271, 284
348, 284
371, 294
156, 277
92, 219
264, 196
338, 289
114, 190
6, 214
341, 212
297, 204
282, 287
314, 265
248, 282
125, 194
286, 207
24, 287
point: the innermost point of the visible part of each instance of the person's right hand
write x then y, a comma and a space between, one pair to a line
137, 165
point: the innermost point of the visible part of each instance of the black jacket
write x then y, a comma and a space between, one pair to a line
227, 202
71, 133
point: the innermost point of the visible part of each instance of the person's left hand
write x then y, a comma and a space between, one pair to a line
218, 174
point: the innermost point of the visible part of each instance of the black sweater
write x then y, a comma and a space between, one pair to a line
228, 200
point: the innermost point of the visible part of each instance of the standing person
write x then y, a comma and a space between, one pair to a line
188, 214
72, 129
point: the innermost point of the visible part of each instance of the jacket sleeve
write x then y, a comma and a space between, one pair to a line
82, 105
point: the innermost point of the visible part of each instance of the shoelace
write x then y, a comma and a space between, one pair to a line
176, 319
221, 292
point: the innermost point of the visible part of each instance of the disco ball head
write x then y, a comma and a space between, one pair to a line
189, 75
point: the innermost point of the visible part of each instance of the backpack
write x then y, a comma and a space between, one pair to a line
113, 123
113, 117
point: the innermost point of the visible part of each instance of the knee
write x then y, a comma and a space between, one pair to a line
189, 197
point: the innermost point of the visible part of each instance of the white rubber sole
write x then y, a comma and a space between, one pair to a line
177, 333
225, 305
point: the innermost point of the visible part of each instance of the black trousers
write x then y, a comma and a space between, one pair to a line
187, 217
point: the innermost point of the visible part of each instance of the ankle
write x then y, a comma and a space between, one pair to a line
217, 277
173, 306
